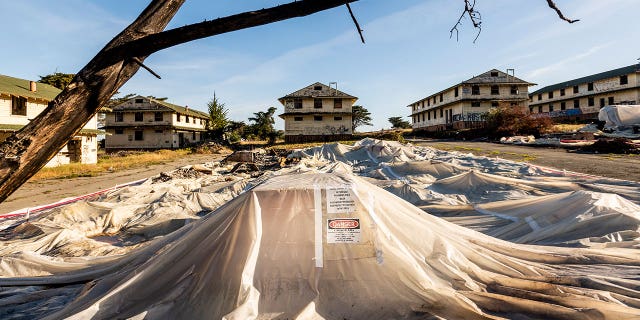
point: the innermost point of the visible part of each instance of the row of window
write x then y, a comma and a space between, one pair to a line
576, 89
317, 103
475, 90
157, 116
576, 104
138, 135
317, 118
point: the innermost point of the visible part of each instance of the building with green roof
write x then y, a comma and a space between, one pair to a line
582, 98
147, 123
22, 100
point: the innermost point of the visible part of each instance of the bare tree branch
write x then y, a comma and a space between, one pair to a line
28, 150
553, 6
355, 21
474, 16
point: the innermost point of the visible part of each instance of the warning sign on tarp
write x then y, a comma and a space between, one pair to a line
340, 200
344, 230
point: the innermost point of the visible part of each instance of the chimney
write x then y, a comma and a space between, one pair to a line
32, 86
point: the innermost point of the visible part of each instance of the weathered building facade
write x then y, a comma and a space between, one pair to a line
22, 100
317, 113
582, 98
147, 123
464, 105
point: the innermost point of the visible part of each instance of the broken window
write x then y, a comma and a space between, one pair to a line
624, 80
18, 106
495, 89
514, 90
575, 89
561, 92
297, 103
337, 118
337, 103
576, 104
139, 100
317, 103
119, 116
157, 116
297, 118
119, 131
138, 135
590, 86
475, 90
563, 106
138, 116
494, 73
455, 92
317, 118
591, 102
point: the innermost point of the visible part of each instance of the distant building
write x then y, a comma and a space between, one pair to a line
582, 98
147, 123
22, 100
317, 113
464, 105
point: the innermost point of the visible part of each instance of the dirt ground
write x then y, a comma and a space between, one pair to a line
608, 165
35, 193
617, 166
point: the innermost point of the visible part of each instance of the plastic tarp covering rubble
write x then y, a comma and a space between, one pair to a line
620, 115
346, 233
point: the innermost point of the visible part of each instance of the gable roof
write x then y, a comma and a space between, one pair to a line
171, 106
502, 77
592, 78
317, 90
20, 87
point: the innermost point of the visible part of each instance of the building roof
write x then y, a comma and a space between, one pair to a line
485, 78
592, 78
501, 78
20, 87
317, 90
179, 109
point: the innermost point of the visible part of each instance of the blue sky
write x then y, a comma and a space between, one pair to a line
408, 54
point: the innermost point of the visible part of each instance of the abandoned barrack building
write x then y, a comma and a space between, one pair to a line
463, 106
582, 98
317, 112
22, 100
144, 123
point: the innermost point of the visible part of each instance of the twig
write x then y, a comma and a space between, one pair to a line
553, 6
356, 22
474, 16
136, 60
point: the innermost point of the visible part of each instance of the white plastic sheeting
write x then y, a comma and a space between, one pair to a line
316, 241
620, 115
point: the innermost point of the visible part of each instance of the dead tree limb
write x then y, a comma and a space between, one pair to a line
474, 16
28, 150
553, 6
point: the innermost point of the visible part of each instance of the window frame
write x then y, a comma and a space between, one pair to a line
18, 106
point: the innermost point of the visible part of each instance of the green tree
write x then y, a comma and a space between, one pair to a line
361, 117
218, 120
263, 123
58, 79
236, 130
399, 123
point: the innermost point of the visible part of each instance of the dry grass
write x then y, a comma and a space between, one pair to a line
109, 163
566, 127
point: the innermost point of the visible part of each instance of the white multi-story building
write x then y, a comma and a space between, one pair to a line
582, 98
147, 123
22, 100
464, 105
317, 113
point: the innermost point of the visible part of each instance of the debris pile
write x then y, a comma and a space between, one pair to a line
378, 230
